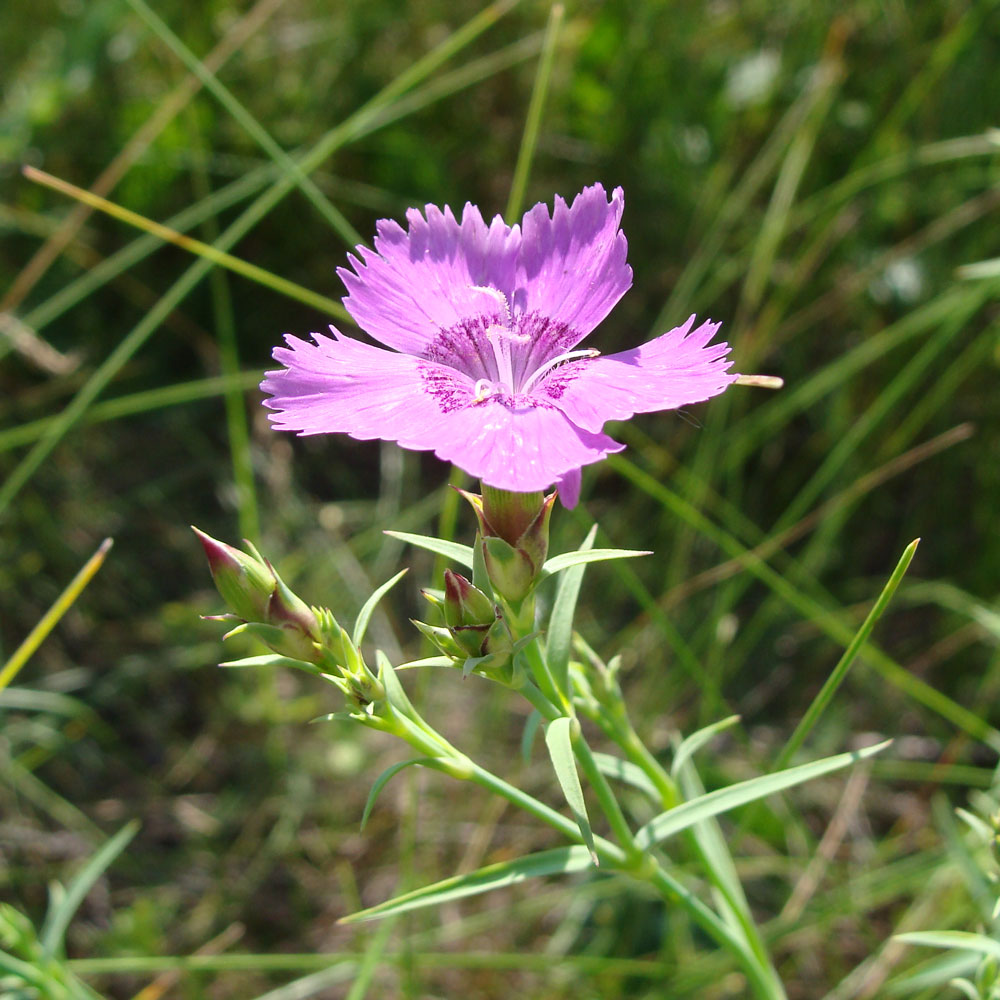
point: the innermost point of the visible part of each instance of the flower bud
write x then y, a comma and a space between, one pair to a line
474, 626
289, 611
465, 604
262, 600
514, 530
244, 582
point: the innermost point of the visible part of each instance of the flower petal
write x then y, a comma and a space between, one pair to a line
520, 450
346, 386
421, 281
572, 267
343, 385
676, 369
568, 487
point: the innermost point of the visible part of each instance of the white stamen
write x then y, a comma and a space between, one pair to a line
483, 390
495, 293
588, 352
500, 339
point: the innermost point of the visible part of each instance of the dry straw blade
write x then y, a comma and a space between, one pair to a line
49, 620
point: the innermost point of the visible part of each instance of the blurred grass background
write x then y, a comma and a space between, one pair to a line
810, 174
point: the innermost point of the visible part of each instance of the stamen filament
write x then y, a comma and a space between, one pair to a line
588, 352
500, 339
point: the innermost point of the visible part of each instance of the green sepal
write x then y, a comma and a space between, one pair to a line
287, 641
510, 570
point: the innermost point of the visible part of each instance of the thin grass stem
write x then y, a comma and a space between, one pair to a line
533, 121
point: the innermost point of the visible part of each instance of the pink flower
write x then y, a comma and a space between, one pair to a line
482, 325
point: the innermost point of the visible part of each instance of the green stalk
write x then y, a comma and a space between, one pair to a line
607, 800
760, 968
763, 978
533, 121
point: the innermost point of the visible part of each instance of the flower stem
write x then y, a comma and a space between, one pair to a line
752, 950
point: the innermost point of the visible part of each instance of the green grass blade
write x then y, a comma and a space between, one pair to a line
776, 218
250, 124
237, 422
559, 638
533, 120
128, 256
558, 861
839, 672
686, 815
209, 252
824, 619
981, 269
48, 621
368, 609
59, 916
137, 402
953, 939
356, 124
371, 961
559, 740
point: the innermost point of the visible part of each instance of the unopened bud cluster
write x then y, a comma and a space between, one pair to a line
267, 609
474, 632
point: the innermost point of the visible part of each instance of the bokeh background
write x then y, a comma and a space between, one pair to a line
814, 175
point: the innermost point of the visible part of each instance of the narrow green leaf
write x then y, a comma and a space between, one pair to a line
560, 634
966, 988
451, 550
273, 660
365, 614
371, 962
952, 939
427, 661
855, 646
981, 269
383, 779
693, 743
393, 689
682, 817
567, 559
559, 740
560, 860
714, 850
627, 772
26, 971
528, 736
59, 915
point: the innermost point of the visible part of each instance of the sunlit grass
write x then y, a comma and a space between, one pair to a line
822, 224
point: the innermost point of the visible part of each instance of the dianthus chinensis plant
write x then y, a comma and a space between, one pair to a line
479, 359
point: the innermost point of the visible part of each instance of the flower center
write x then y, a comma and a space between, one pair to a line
515, 358
510, 345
